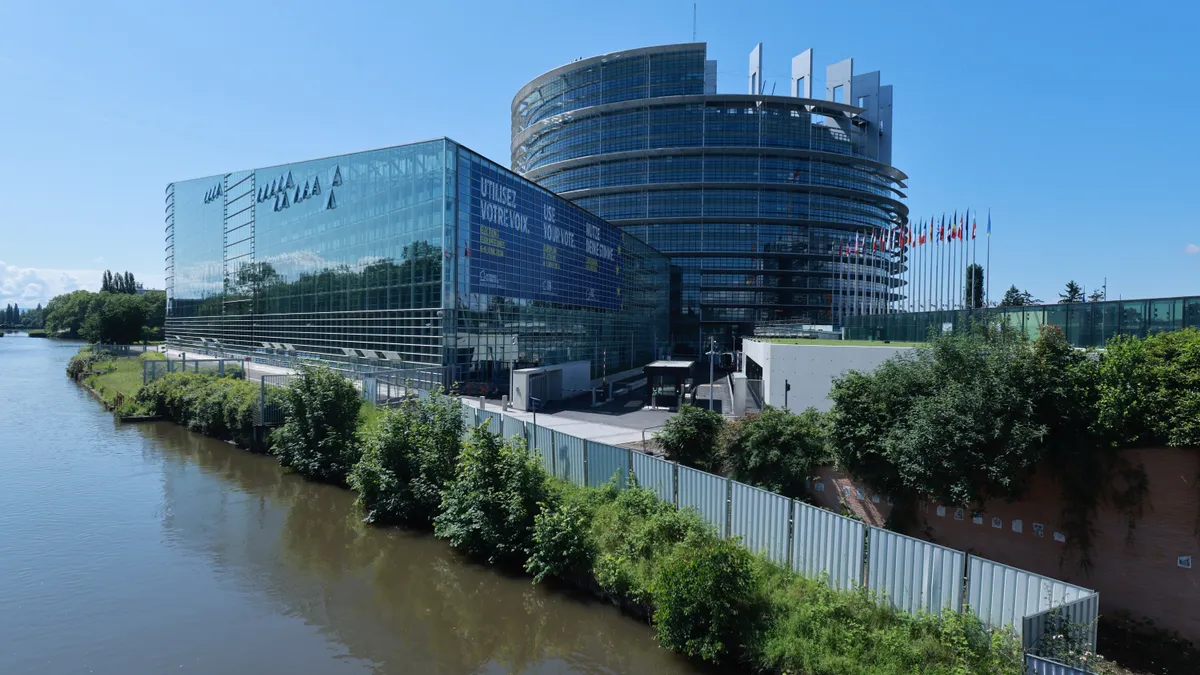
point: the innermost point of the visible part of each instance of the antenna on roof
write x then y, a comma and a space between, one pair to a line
773, 83
693, 22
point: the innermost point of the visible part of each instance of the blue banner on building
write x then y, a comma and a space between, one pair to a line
527, 244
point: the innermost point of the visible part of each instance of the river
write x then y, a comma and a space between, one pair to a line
145, 548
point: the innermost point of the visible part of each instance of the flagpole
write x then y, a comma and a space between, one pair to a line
987, 284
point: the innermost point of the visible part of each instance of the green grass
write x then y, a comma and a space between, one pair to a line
840, 343
119, 378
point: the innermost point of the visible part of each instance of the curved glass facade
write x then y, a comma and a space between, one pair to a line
752, 197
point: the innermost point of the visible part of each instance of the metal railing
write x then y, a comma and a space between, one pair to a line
911, 575
153, 370
1086, 324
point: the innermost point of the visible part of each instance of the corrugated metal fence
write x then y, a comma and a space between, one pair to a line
1036, 665
912, 575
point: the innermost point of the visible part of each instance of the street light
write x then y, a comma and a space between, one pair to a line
712, 351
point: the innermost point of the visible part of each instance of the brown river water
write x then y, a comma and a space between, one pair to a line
145, 548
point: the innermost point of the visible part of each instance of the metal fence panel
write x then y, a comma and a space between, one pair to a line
606, 461
913, 575
826, 543
761, 519
543, 447
706, 493
568, 458
514, 428
1084, 612
657, 475
492, 420
1002, 596
468, 414
1036, 665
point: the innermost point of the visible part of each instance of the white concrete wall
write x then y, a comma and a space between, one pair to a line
810, 369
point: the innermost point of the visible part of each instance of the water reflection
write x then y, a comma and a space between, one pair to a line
398, 602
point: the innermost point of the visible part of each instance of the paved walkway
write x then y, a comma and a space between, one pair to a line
253, 370
569, 422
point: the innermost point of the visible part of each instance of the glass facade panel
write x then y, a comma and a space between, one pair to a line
418, 254
1090, 324
759, 185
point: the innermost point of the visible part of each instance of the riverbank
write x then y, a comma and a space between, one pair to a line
137, 548
706, 597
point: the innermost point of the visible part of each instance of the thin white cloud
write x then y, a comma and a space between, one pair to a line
1191, 249
29, 286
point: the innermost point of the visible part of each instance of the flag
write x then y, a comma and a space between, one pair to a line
989, 225
974, 227
942, 229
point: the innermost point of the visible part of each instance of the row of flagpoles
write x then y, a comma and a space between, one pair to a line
927, 260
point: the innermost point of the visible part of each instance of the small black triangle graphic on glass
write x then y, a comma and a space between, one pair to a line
276, 202
332, 203
290, 184
285, 204
219, 193
271, 192
296, 199
337, 175
306, 190
316, 185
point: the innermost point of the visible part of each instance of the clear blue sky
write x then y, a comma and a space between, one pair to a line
1074, 124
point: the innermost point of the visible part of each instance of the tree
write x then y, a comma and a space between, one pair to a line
318, 437
115, 319
66, 313
1012, 298
1072, 293
1096, 295
690, 437
962, 420
408, 459
156, 310
775, 450
489, 510
974, 286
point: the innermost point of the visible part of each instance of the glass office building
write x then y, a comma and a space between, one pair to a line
417, 255
1085, 324
753, 196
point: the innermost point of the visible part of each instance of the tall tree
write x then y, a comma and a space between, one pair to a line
106, 282
1012, 297
1072, 293
974, 286
1096, 295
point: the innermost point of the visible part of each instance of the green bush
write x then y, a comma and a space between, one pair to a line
408, 459
814, 628
217, 407
317, 438
962, 420
562, 546
775, 450
634, 531
1150, 389
489, 509
690, 437
708, 600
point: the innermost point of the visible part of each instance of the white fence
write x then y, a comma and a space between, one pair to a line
911, 575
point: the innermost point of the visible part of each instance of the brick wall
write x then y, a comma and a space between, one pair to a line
1146, 577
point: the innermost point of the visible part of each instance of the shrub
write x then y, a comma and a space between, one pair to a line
775, 450
634, 532
317, 438
962, 420
707, 599
690, 437
1150, 389
562, 544
814, 628
408, 459
217, 407
488, 510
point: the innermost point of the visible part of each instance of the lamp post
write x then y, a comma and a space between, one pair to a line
712, 351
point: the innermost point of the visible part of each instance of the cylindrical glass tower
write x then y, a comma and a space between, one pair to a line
762, 202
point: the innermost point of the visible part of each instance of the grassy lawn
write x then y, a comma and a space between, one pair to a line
121, 376
839, 343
